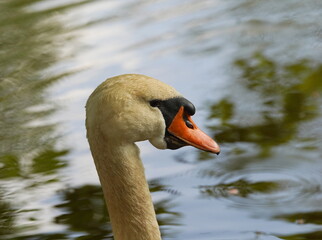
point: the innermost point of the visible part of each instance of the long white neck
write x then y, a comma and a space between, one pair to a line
126, 191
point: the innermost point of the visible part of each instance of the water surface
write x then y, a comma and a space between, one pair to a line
252, 68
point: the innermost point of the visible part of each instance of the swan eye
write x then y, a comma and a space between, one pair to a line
155, 103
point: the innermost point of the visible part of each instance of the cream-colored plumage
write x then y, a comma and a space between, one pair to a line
118, 114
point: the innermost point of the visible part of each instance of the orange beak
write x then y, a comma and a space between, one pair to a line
185, 129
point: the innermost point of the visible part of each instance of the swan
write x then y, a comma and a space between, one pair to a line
121, 111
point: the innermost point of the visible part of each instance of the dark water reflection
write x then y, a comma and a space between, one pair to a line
86, 217
259, 85
84, 214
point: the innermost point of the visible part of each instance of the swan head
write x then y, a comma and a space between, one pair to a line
133, 107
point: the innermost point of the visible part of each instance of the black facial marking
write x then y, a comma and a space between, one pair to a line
173, 142
169, 108
155, 103
189, 108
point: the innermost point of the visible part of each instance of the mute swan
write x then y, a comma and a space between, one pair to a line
121, 111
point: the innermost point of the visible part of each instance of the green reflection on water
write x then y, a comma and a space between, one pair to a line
30, 43
165, 216
49, 161
7, 216
287, 96
29, 46
304, 236
242, 188
85, 214
302, 217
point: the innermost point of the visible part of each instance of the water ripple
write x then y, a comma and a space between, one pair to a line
265, 186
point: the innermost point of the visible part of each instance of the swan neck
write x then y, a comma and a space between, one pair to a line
126, 190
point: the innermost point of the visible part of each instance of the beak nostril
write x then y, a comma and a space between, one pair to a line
187, 121
189, 124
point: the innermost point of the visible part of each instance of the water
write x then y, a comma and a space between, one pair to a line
252, 68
